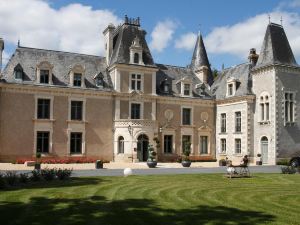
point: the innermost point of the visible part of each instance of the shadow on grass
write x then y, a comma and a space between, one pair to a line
72, 182
98, 210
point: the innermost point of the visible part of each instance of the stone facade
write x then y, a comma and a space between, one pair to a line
68, 105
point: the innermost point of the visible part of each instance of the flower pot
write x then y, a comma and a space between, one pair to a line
186, 163
37, 166
258, 163
151, 164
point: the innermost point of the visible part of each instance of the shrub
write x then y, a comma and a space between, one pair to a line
48, 174
11, 177
35, 175
63, 174
283, 162
288, 169
23, 177
2, 181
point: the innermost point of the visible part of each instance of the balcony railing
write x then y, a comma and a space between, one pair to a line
134, 123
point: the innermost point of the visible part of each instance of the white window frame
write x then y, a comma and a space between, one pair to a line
235, 146
264, 104
37, 97
43, 129
221, 123
83, 109
77, 69
221, 146
204, 134
183, 83
76, 130
44, 65
130, 81
287, 118
236, 122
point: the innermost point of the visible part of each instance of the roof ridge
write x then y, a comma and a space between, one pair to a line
51, 50
182, 67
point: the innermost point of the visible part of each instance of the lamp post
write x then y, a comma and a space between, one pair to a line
130, 130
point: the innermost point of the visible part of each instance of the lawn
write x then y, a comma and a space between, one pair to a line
156, 200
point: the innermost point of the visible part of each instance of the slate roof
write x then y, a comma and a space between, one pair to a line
241, 73
122, 40
200, 58
276, 48
173, 74
29, 58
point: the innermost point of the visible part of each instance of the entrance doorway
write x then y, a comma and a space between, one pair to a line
264, 145
142, 147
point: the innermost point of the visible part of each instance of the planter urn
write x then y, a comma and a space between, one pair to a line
151, 164
186, 163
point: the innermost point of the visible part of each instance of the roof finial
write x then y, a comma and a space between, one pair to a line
269, 18
199, 30
19, 42
281, 20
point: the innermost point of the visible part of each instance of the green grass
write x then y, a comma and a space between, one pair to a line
156, 200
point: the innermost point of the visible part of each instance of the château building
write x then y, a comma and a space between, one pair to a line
112, 107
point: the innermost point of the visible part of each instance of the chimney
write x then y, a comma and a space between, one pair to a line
253, 57
1, 52
108, 34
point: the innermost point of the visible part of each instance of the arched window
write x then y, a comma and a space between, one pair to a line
264, 108
136, 58
120, 145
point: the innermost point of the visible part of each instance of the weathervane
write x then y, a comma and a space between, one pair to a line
199, 31
281, 20
269, 18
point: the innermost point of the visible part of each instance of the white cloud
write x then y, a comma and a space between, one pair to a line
162, 35
239, 38
75, 27
186, 41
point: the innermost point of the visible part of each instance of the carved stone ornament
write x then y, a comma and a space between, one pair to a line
204, 116
169, 114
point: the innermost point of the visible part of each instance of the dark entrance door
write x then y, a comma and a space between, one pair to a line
142, 147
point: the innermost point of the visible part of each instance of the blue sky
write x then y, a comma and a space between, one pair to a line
230, 28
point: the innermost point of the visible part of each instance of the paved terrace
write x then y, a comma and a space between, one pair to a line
116, 169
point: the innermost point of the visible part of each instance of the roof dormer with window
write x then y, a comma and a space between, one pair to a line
77, 76
231, 86
44, 73
18, 73
136, 52
186, 87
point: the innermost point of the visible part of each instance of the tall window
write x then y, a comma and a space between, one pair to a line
186, 142
230, 89
120, 145
76, 143
289, 103
223, 123
43, 109
42, 142
77, 79
223, 145
168, 143
264, 108
135, 111
19, 74
136, 58
203, 145
238, 146
44, 76
136, 82
238, 123
187, 89
76, 110
186, 116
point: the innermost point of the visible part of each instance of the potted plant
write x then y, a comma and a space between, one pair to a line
223, 162
151, 162
259, 161
186, 162
37, 165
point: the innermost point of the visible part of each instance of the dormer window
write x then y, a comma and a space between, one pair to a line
18, 72
230, 89
165, 86
77, 79
44, 76
187, 89
136, 52
99, 80
136, 58
232, 85
44, 73
77, 76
